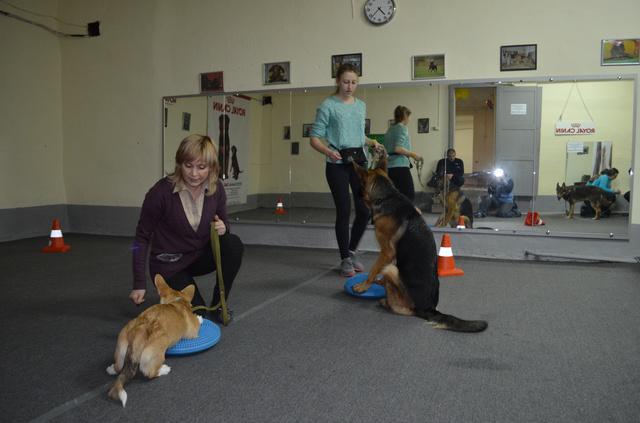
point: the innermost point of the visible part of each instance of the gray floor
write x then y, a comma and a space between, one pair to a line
562, 345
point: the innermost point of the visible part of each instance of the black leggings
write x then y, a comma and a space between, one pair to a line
231, 250
339, 178
401, 178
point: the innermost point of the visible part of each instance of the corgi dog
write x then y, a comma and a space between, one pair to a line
144, 340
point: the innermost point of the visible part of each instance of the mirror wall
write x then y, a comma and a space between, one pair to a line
539, 133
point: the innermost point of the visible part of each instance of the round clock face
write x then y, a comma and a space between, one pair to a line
379, 12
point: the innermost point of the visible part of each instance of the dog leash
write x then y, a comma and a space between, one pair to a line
419, 164
215, 247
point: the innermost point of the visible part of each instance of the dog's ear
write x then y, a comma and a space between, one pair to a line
161, 284
189, 292
382, 164
564, 185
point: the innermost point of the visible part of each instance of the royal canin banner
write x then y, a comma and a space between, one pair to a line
575, 128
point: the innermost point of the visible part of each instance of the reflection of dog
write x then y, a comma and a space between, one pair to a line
144, 340
455, 204
235, 166
574, 193
408, 259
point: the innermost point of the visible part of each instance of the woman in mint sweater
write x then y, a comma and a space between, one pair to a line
340, 122
398, 145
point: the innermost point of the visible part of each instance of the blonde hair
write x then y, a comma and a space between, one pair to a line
196, 147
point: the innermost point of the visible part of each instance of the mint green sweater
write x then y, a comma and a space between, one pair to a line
340, 124
397, 136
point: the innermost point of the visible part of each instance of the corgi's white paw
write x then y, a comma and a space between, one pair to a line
164, 370
111, 370
199, 318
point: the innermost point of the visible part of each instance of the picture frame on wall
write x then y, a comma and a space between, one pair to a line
186, 121
519, 57
428, 66
423, 125
354, 59
276, 73
212, 82
620, 52
295, 148
306, 130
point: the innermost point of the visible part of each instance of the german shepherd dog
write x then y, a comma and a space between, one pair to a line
455, 204
144, 340
407, 259
596, 196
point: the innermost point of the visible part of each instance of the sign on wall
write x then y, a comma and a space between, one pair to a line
228, 123
575, 128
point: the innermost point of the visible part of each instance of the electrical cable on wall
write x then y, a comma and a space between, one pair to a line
93, 28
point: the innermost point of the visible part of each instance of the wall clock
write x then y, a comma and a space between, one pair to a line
379, 12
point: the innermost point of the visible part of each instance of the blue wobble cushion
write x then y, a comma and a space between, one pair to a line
208, 336
375, 291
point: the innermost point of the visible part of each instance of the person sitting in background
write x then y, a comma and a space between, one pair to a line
603, 181
500, 197
452, 167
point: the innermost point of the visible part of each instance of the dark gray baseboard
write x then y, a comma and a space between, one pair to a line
103, 220
29, 222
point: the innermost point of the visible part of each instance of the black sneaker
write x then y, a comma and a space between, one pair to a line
216, 315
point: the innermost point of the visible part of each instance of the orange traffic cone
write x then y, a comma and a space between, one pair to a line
446, 264
461, 223
56, 241
533, 219
280, 207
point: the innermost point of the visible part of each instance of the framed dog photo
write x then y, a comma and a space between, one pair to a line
276, 73
354, 59
306, 129
211, 82
423, 126
519, 57
620, 52
427, 66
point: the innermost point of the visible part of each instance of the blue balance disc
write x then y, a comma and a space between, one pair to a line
375, 291
208, 336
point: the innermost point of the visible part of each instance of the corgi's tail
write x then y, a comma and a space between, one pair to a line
448, 322
127, 373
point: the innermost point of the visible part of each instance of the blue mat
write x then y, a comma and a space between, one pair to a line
375, 291
208, 336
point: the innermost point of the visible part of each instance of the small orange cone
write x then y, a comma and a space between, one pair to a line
446, 264
461, 223
280, 207
56, 241
533, 219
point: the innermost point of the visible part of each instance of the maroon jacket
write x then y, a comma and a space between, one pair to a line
164, 226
